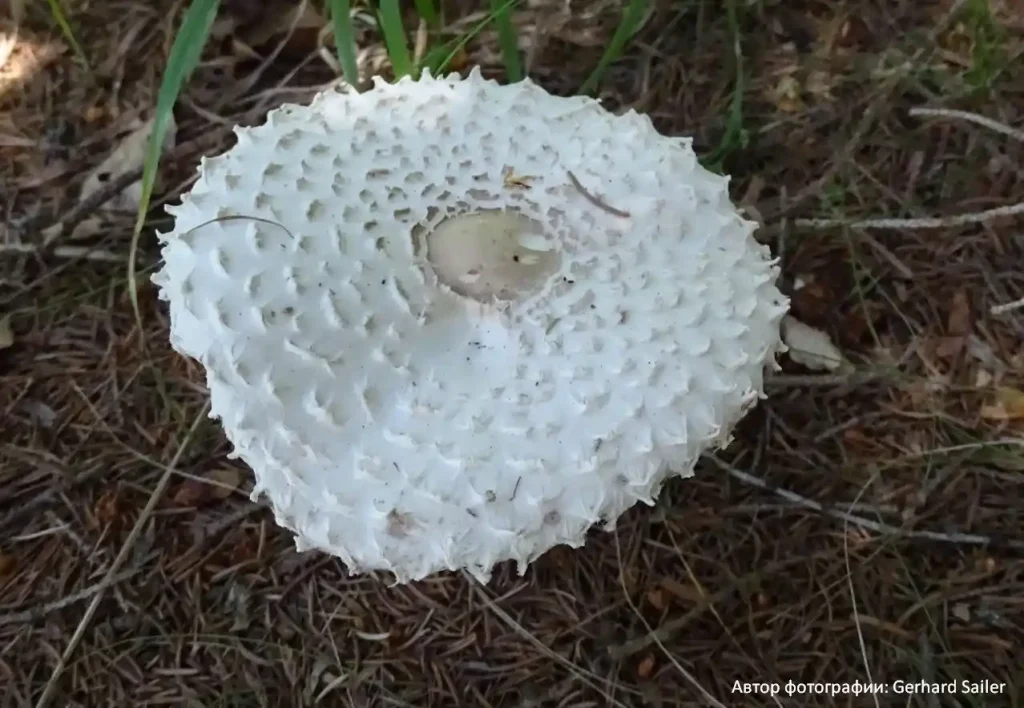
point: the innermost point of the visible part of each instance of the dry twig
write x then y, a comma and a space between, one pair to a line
941, 222
34, 614
594, 200
938, 222
83, 252
993, 125
111, 189
126, 549
1007, 307
969, 539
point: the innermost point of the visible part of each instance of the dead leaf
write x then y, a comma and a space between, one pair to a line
239, 598
1009, 13
949, 347
816, 302
191, 492
244, 11
646, 667
1007, 405
853, 33
858, 444
218, 484
88, 228
962, 612
50, 173
108, 508
983, 352
129, 155
276, 19
320, 666
8, 563
811, 347
40, 413
820, 84
956, 44
959, 323
786, 95
95, 113
460, 61
754, 191
244, 548
514, 181
6, 333
224, 481
656, 598
854, 329
688, 594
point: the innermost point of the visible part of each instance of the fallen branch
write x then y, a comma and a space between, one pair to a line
939, 222
993, 125
969, 539
83, 252
74, 216
1007, 307
665, 631
934, 222
34, 614
859, 378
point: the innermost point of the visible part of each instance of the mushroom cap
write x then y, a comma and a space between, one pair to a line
403, 421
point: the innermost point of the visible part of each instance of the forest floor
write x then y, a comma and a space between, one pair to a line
863, 527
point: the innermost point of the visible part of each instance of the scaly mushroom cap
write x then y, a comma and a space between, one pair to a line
449, 323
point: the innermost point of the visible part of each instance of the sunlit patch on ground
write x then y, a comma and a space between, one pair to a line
21, 57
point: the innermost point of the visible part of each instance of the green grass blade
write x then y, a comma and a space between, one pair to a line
508, 40
426, 10
395, 37
988, 58
438, 58
344, 40
185, 53
61, 18
628, 26
735, 134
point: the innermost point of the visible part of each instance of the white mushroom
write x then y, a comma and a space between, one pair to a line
450, 323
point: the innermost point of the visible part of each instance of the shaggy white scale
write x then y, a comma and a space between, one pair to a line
449, 323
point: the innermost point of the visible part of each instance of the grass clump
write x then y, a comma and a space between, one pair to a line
185, 52
344, 39
736, 135
198, 19
632, 20
390, 20
988, 57
61, 18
